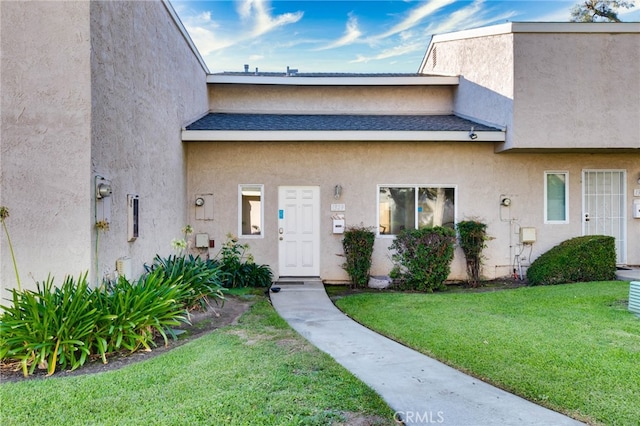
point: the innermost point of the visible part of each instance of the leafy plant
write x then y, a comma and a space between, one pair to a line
472, 237
132, 314
202, 279
357, 244
422, 258
50, 326
238, 266
587, 258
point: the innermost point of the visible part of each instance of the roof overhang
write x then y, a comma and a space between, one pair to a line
345, 80
340, 135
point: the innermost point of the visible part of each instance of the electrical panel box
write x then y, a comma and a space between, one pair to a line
202, 240
133, 217
527, 235
636, 209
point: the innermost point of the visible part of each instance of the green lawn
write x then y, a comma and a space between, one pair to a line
574, 348
259, 372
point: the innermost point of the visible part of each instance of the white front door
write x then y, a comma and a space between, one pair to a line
604, 207
299, 231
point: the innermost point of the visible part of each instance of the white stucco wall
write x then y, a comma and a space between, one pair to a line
146, 85
246, 98
481, 177
45, 139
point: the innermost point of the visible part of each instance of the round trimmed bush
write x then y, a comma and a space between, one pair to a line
587, 258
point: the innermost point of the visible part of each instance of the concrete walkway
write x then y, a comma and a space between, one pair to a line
420, 389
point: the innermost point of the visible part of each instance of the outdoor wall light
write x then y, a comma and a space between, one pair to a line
506, 202
103, 190
337, 192
199, 201
472, 134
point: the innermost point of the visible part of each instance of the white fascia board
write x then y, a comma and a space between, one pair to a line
341, 135
427, 80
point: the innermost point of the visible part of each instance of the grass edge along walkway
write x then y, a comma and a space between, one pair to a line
574, 348
257, 372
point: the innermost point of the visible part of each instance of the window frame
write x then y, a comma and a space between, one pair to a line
245, 186
548, 221
416, 188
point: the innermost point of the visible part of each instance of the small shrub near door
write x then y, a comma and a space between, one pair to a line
472, 237
357, 244
588, 258
422, 258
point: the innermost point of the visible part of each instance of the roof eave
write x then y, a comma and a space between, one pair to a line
430, 80
339, 135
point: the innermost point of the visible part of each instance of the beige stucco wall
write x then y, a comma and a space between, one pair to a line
554, 90
244, 98
577, 91
146, 85
45, 139
92, 88
485, 66
480, 175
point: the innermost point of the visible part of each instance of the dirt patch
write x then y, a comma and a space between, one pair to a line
201, 323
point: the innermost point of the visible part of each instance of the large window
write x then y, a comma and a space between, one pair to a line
413, 207
251, 210
556, 201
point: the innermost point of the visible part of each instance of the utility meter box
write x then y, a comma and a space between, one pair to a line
202, 240
636, 209
338, 224
527, 235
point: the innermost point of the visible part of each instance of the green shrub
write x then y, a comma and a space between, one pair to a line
49, 327
202, 279
239, 268
422, 258
358, 248
587, 258
64, 326
472, 237
133, 314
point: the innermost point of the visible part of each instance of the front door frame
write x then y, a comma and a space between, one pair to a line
299, 241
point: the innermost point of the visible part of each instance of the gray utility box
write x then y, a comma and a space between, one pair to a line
634, 297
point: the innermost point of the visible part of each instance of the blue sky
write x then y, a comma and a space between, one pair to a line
344, 36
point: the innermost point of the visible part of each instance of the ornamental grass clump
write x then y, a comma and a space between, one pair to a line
422, 258
202, 279
358, 248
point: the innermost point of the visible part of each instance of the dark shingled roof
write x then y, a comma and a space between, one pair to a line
317, 122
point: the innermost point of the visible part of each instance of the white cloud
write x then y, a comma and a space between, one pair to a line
209, 37
416, 16
258, 14
351, 34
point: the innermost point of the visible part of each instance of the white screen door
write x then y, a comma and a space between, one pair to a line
604, 207
299, 231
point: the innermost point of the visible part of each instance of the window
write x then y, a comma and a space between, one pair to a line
251, 210
556, 201
412, 207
